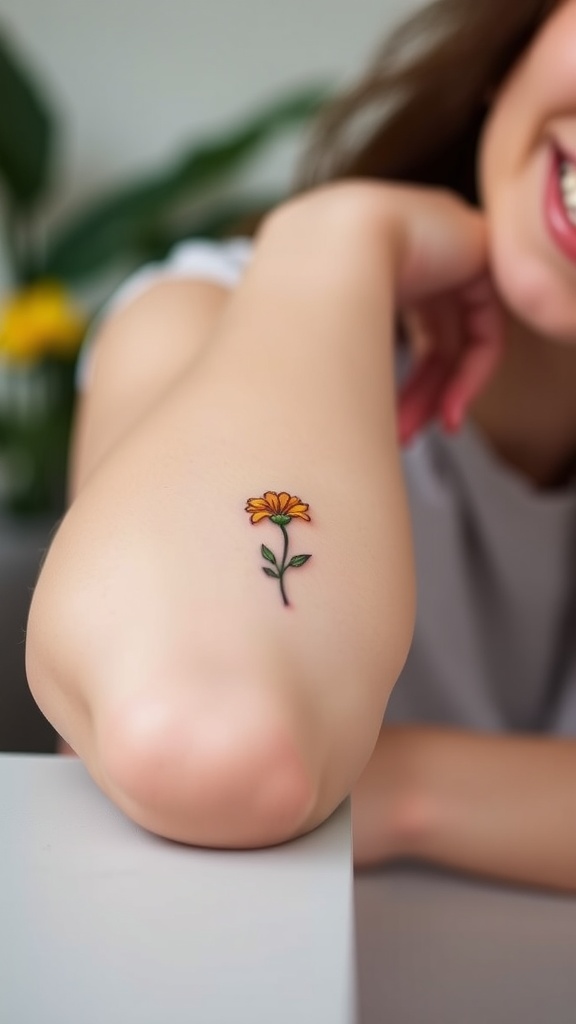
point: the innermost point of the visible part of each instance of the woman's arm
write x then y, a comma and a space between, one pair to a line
502, 806
156, 646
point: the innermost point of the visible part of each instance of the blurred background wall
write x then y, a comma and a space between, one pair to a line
133, 82
136, 78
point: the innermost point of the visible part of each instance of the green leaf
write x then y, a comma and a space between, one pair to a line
118, 225
25, 130
298, 560
269, 555
270, 572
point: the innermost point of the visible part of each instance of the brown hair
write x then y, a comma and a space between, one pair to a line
424, 97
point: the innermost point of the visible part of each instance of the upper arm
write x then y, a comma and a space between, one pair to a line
139, 352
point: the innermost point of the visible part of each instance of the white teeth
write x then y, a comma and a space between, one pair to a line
568, 188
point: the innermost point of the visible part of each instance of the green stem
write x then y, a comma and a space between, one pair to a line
282, 568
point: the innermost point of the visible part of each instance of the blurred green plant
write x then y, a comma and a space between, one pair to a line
40, 327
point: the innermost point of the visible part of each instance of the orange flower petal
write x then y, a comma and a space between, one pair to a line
293, 501
296, 509
255, 503
300, 515
272, 498
284, 499
260, 515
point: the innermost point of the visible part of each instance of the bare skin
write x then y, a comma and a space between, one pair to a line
257, 739
500, 806
240, 742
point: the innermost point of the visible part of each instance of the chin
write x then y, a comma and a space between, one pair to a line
534, 296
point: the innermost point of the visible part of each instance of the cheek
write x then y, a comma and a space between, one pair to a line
535, 284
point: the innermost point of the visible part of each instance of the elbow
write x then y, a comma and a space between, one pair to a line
221, 777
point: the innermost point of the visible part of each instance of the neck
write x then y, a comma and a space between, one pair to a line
528, 411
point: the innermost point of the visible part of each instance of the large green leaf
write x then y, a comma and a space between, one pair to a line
25, 130
119, 225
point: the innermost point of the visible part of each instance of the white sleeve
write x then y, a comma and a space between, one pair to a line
221, 262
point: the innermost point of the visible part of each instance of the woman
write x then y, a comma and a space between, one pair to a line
218, 705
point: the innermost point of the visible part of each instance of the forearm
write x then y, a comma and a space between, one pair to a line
171, 664
497, 805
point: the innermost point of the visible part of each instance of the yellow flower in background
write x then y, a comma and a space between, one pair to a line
40, 320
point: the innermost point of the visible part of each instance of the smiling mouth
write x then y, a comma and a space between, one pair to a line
560, 202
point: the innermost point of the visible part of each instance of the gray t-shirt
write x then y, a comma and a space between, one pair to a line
494, 645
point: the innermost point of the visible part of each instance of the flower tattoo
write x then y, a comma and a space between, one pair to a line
280, 509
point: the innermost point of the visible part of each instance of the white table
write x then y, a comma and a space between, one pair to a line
102, 922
